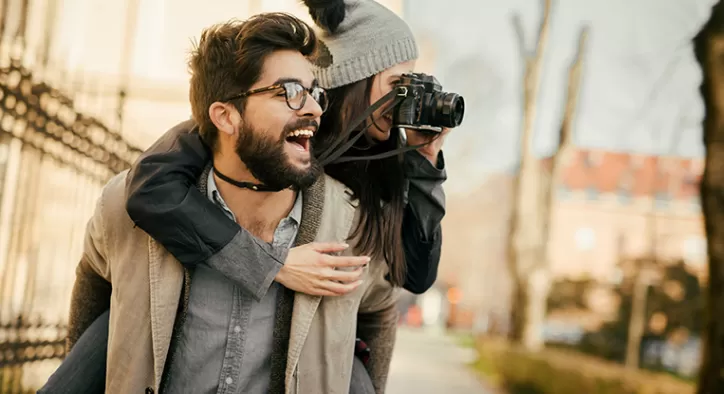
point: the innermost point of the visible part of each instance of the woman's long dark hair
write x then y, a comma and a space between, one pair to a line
378, 184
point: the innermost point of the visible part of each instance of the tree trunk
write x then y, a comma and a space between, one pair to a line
523, 239
709, 49
645, 277
534, 193
539, 282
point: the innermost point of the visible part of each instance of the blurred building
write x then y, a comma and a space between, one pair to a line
616, 205
609, 206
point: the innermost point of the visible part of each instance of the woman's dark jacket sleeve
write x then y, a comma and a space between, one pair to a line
162, 200
421, 229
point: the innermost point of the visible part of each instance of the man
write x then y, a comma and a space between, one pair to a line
256, 104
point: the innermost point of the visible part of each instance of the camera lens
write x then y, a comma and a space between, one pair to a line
450, 110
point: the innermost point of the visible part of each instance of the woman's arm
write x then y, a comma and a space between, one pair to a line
160, 193
421, 229
164, 202
162, 199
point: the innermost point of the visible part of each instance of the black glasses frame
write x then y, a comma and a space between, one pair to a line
287, 89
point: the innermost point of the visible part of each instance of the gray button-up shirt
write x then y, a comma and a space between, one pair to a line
226, 340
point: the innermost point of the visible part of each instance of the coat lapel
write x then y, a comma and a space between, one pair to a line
166, 281
319, 196
166, 276
305, 305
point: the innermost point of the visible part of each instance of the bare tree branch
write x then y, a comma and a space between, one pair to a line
565, 143
574, 80
520, 36
543, 27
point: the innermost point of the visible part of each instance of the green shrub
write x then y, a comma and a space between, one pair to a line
556, 371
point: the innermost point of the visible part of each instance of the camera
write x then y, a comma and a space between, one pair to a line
425, 107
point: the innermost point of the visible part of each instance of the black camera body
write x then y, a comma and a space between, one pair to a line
425, 107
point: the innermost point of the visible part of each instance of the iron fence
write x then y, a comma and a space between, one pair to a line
54, 161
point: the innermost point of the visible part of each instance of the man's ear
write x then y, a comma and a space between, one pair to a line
225, 117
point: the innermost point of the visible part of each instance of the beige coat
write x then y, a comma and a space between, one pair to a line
150, 293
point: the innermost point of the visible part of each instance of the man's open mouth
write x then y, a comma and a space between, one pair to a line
300, 138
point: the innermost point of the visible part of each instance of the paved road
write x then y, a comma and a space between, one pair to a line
425, 362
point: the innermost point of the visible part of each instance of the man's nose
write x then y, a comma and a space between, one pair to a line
311, 107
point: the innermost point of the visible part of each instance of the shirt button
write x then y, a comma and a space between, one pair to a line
237, 329
229, 381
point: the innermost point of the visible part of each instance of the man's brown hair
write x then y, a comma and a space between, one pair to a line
229, 57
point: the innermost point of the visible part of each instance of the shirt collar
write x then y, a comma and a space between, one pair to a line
212, 192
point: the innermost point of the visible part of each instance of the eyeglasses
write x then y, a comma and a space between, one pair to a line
294, 92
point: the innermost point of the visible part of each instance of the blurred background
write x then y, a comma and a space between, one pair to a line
574, 255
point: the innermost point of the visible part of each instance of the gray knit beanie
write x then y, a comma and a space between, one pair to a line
358, 39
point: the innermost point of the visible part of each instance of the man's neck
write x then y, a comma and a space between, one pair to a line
258, 212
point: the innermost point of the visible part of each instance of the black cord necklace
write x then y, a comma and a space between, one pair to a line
257, 187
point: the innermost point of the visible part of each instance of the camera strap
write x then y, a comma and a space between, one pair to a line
378, 156
333, 154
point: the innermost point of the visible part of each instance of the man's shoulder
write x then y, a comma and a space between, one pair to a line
112, 201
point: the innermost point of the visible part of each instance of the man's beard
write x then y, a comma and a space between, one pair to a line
268, 162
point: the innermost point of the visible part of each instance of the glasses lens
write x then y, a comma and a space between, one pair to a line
320, 96
295, 95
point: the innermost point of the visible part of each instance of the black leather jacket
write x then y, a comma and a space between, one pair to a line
163, 201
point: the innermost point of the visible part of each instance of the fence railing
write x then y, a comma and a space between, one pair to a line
54, 161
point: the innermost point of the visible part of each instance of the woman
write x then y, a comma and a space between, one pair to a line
410, 187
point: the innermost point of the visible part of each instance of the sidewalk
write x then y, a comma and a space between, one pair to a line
425, 362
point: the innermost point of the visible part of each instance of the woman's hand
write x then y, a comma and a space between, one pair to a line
431, 150
310, 269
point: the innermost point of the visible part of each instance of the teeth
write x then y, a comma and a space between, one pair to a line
301, 132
